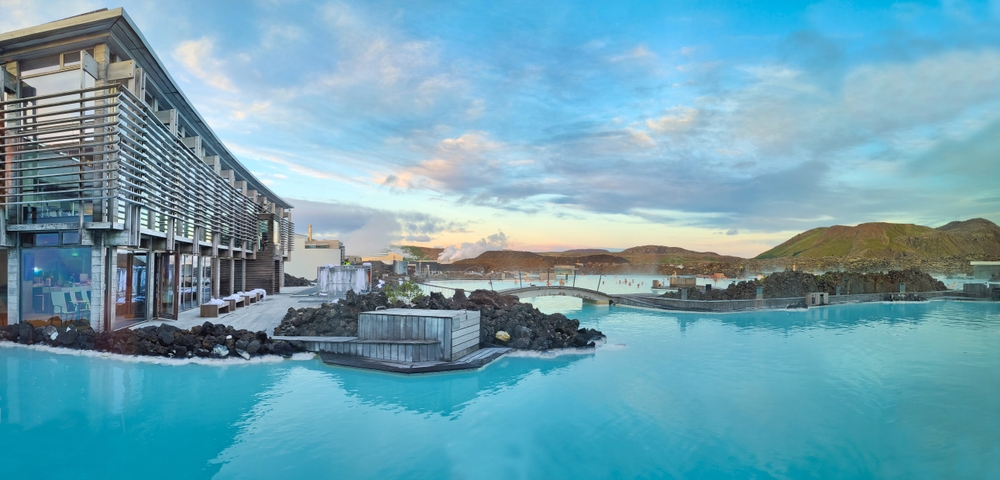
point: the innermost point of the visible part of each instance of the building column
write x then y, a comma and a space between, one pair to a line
13, 285
152, 284
216, 272
232, 274
281, 277
98, 283
243, 274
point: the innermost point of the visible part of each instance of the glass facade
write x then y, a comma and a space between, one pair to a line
3, 286
83, 161
206, 280
60, 167
131, 285
188, 287
166, 290
55, 285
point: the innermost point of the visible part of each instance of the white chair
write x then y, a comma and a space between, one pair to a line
59, 305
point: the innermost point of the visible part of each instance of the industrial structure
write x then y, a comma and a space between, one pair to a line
311, 253
119, 201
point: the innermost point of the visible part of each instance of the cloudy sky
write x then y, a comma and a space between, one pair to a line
725, 126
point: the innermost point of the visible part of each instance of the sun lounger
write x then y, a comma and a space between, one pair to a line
214, 309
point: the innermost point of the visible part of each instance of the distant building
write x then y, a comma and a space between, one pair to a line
311, 254
986, 271
418, 267
387, 258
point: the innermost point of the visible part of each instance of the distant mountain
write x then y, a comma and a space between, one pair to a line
578, 251
663, 254
977, 236
511, 259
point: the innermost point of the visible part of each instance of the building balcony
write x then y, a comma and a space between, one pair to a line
99, 158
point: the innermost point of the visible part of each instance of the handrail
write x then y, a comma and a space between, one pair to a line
137, 160
115, 87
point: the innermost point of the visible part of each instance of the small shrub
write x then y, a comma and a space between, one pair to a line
408, 292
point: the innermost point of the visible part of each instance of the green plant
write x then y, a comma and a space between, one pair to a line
408, 291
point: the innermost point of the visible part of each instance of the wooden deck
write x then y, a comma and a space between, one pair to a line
261, 316
472, 361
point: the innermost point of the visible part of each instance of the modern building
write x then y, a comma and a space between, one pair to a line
988, 271
415, 267
119, 201
312, 254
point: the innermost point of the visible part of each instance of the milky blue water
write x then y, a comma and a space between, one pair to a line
605, 283
861, 391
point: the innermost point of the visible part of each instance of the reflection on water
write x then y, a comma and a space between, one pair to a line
829, 317
444, 394
87, 411
604, 283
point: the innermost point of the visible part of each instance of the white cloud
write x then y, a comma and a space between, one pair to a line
639, 53
197, 57
933, 89
281, 36
380, 68
18, 14
458, 164
677, 119
242, 111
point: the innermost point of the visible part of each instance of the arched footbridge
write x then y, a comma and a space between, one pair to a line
645, 300
586, 294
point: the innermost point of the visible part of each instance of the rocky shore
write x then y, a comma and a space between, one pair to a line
790, 284
293, 281
504, 321
204, 341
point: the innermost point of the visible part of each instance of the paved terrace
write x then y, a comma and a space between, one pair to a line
264, 315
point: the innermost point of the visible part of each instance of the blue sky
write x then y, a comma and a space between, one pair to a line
725, 126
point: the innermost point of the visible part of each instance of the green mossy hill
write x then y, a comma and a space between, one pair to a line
674, 252
893, 240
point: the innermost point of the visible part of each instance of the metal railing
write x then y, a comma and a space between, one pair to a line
101, 155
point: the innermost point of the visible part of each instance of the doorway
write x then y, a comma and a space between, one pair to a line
131, 287
166, 286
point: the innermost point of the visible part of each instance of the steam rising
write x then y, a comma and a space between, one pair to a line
497, 241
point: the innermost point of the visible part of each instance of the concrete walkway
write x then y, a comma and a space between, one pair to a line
259, 316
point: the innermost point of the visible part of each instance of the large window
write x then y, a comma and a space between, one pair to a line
188, 286
55, 172
165, 286
55, 285
206, 280
3, 285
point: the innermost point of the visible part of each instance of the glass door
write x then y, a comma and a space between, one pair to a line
188, 285
205, 280
130, 286
3, 283
166, 289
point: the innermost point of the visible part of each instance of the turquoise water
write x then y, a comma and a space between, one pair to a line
606, 283
860, 391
